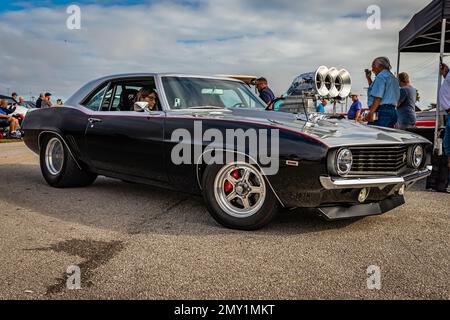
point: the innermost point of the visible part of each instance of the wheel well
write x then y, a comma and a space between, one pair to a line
45, 134
201, 168
42, 138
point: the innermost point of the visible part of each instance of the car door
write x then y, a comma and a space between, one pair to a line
126, 142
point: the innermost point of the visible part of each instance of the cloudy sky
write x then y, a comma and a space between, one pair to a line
278, 39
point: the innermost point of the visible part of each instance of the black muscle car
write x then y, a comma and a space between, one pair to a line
339, 168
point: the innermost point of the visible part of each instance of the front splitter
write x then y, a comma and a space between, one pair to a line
363, 210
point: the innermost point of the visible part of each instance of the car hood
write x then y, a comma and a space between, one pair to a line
332, 132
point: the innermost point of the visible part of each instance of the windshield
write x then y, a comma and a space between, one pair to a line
185, 93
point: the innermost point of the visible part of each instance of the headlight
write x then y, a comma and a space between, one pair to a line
416, 156
344, 162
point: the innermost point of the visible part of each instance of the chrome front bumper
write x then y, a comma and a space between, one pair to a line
335, 184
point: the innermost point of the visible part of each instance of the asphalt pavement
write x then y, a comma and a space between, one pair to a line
138, 242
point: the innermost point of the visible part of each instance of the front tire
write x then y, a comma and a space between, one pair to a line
238, 196
59, 168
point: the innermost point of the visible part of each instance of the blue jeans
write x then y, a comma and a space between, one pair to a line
447, 137
387, 116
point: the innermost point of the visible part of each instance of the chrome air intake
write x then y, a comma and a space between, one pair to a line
324, 82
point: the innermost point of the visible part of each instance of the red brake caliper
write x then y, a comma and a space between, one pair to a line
228, 186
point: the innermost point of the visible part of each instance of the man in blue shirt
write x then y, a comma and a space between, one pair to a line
384, 94
265, 93
355, 109
320, 108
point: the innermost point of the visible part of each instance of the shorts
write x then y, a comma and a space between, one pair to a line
447, 137
4, 122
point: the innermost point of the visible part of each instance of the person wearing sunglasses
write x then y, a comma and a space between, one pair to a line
150, 96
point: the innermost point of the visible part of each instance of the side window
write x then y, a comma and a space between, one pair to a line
120, 95
94, 102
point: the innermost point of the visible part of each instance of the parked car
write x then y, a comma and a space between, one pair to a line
335, 167
426, 119
425, 124
249, 80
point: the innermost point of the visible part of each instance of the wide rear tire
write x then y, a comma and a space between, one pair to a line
59, 168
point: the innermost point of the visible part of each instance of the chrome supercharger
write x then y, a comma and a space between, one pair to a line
326, 83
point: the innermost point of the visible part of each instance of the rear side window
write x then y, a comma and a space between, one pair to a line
119, 95
96, 99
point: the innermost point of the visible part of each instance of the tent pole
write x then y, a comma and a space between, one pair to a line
398, 62
443, 34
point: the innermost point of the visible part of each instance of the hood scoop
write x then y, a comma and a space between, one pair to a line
386, 137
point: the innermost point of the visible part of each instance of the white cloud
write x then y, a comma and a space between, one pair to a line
278, 39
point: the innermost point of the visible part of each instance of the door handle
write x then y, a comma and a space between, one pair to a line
152, 114
94, 120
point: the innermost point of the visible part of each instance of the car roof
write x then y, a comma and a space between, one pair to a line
166, 74
92, 85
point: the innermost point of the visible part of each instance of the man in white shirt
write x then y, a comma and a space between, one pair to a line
444, 94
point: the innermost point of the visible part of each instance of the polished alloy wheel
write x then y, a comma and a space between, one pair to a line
240, 190
54, 156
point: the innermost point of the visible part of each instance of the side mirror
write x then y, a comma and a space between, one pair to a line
141, 106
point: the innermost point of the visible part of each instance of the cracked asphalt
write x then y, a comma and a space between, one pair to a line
138, 242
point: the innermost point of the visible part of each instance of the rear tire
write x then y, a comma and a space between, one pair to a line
59, 168
238, 196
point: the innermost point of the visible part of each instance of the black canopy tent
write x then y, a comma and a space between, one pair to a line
427, 33
423, 32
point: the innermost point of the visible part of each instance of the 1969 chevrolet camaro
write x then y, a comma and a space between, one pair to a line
213, 136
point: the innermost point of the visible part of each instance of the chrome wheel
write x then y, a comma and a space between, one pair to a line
54, 156
240, 190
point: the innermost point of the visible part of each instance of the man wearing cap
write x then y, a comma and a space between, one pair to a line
355, 109
46, 103
14, 97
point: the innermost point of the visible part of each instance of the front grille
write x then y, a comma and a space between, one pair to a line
383, 160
